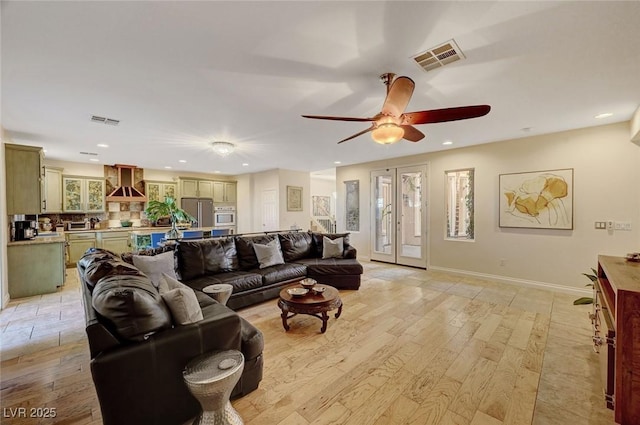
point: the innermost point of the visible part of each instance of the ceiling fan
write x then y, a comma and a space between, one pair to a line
392, 124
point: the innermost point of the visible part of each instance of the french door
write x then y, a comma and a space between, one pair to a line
398, 225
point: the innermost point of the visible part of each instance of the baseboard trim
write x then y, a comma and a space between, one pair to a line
516, 281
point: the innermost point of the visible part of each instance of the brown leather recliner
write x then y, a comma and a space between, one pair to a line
137, 362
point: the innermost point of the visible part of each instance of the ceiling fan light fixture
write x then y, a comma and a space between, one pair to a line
223, 148
387, 133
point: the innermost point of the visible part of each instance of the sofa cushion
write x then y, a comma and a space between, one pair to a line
241, 281
331, 266
181, 300
132, 304
206, 256
268, 254
282, 272
318, 238
295, 245
155, 266
247, 259
332, 248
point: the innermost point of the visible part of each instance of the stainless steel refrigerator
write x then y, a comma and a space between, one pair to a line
201, 209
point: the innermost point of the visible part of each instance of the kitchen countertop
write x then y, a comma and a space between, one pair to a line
119, 229
59, 238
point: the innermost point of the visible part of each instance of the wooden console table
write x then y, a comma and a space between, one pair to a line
616, 325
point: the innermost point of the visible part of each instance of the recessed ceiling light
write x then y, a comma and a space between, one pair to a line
245, 164
605, 115
182, 160
447, 142
337, 162
102, 145
168, 167
44, 150
217, 172
94, 159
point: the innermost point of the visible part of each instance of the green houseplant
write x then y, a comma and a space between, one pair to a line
168, 208
587, 300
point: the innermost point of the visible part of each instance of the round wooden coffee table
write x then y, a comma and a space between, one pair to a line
316, 305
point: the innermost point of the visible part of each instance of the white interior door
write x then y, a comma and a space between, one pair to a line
398, 225
269, 210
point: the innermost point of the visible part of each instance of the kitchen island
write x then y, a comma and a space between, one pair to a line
36, 266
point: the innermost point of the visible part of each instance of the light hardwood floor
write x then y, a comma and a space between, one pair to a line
411, 347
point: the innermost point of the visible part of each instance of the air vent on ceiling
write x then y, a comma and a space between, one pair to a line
439, 56
103, 120
89, 153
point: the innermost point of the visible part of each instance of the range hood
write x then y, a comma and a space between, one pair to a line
125, 192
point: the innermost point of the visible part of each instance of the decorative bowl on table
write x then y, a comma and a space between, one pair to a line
308, 283
633, 256
318, 289
297, 292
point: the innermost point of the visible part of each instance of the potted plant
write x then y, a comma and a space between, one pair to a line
168, 208
587, 300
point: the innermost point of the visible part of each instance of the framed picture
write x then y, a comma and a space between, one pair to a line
352, 205
321, 206
537, 199
294, 198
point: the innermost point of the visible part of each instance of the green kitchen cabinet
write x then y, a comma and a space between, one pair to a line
35, 268
52, 199
193, 188
224, 192
83, 194
24, 179
78, 244
158, 191
117, 242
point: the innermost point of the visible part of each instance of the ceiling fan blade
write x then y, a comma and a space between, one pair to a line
444, 115
358, 134
323, 117
411, 133
398, 96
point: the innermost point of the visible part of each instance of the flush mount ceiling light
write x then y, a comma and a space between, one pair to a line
223, 148
605, 115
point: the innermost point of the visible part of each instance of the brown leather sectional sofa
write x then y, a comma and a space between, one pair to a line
138, 355
233, 261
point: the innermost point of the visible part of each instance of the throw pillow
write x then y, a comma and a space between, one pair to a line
332, 248
183, 305
180, 299
154, 266
269, 254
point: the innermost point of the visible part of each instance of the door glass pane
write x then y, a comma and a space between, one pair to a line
383, 209
410, 235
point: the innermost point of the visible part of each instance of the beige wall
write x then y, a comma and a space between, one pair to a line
606, 168
323, 187
294, 219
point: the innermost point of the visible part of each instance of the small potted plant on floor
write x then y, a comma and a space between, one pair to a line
168, 208
587, 300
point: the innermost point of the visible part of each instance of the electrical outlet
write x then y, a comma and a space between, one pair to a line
623, 225
601, 225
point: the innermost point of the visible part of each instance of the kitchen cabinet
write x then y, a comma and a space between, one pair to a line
117, 242
24, 179
78, 244
83, 194
193, 188
224, 192
52, 199
35, 268
158, 191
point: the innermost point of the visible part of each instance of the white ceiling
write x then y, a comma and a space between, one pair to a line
181, 74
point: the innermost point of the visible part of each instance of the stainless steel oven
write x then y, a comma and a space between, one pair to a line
224, 216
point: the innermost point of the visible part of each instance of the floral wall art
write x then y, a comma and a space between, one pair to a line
537, 199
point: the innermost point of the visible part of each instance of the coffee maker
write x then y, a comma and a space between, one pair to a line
22, 230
